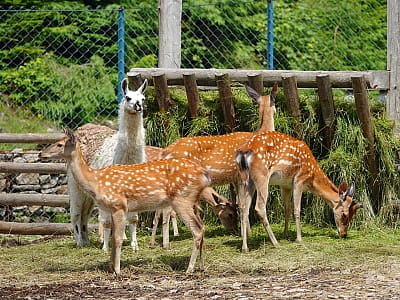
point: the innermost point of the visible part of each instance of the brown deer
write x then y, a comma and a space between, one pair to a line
217, 153
225, 210
175, 183
274, 158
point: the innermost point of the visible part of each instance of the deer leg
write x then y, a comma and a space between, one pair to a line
174, 223
287, 203
192, 220
244, 207
76, 203
154, 229
132, 220
86, 211
297, 192
118, 224
105, 223
166, 212
262, 194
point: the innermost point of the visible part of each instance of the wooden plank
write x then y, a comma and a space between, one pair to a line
305, 79
226, 96
30, 138
42, 168
51, 200
327, 108
393, 62
38, 228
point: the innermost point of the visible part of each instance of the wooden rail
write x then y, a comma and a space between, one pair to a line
17, 199
305, 79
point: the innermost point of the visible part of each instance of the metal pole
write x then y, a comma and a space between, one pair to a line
270, 34
121, 50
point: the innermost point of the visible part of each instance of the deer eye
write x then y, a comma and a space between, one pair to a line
59, 145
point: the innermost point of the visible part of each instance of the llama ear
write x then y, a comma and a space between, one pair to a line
124, 86
143, 87
252, 93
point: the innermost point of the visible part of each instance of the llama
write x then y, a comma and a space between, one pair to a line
127, 146
117, 189
102, 146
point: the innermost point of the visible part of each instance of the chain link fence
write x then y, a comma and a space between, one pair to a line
59, 64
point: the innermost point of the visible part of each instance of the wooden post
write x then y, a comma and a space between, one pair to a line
135, 81
364, 114
327, 108
192, 94
256, 82
393, 62
162, 94
169, 33
289, 84
227, 100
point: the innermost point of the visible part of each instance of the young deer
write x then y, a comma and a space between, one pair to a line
118, 189
217, 153
275, 158
220, 205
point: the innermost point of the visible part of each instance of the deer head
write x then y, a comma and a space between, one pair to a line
62, 149
133, 100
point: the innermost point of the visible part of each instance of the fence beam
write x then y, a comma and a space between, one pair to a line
34, 200
364, 114
327, 108
226, 96
30, 138
192, 94
38, 228
41, 168
169, 33
393, 62
289, 84
305, 79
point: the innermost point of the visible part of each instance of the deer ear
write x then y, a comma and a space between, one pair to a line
143, 87
350, 191
70, 135
124, 86
252, 93
272, 96
342, 190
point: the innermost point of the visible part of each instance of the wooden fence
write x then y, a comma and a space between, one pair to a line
222, 80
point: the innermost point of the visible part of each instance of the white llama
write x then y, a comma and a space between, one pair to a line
102, 147
126, 147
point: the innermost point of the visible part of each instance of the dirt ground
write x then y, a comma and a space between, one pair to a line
316, 284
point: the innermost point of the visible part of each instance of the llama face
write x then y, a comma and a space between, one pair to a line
133, 100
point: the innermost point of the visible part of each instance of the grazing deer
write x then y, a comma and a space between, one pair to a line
118, 189
226, 211
217, 153
274, 158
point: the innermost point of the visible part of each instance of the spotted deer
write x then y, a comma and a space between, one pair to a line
217, 153
118, 189
225, 210
274, 158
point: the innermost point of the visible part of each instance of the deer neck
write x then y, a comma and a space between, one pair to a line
266, 115
82, 173
325, 189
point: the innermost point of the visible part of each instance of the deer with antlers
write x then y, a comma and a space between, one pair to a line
274, 158
217, 153
118, 189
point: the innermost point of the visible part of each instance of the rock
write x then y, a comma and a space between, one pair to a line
27, 179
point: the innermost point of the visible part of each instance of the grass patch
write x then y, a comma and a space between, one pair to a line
59, 260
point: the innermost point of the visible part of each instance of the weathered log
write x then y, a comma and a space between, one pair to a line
289, 84
38, 228
162, 94
327, 108
51, 200
192, 94
226, 96
41, 168
30, 138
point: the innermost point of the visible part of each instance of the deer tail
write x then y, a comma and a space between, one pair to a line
243, 160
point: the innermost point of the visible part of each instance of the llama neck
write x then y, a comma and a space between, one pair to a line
131, 139
82, 173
